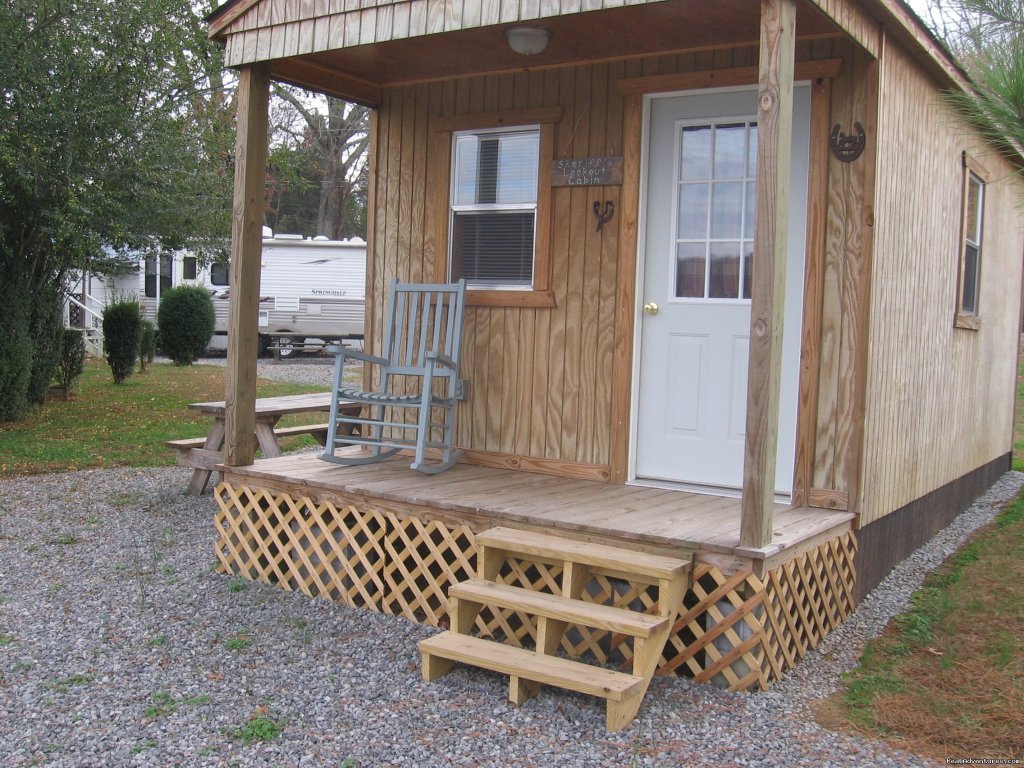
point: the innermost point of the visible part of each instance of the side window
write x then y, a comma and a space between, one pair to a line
971, 250
494, 208
189, 268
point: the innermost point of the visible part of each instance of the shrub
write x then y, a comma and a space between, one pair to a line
45, 329
121, 330
147, 344
15, 351
186, 320
72, 360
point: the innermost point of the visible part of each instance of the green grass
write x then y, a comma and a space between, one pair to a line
164, 704
238, 642
947, 675
259, 728
107, 425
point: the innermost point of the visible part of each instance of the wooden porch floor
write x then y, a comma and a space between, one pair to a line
651, 518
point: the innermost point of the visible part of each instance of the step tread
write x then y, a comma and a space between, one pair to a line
588, 553
533, 666
574, 611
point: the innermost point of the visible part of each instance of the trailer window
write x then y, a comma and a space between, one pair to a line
971, 231
219, 274
189, 268
157, 268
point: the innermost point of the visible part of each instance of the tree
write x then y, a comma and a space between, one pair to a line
330, 150
987, 38
111, 134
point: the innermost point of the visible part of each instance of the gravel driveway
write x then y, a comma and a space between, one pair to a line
120, 645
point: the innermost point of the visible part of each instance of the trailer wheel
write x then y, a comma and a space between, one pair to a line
288, 346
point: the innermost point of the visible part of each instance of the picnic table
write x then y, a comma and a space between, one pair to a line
204, 454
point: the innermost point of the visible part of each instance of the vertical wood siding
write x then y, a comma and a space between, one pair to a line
541, 378
939, 399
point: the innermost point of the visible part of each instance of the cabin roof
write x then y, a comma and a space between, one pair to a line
353, 48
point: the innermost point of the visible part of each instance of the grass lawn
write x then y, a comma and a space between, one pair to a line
947, 677
107, 425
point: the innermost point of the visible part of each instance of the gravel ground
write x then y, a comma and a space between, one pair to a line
314, 369
120, 646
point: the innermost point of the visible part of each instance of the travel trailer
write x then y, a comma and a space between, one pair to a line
311, 290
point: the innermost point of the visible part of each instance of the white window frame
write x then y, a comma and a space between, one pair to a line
970, 317
454, 208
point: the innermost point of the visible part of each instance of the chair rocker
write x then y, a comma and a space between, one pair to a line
419, 371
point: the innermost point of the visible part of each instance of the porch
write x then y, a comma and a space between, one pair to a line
383, 537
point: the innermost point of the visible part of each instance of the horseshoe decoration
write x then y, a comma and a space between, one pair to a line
603, 216
846, 148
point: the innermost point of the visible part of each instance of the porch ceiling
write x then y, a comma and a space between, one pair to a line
637, 30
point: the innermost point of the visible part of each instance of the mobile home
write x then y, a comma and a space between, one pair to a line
310, 289
791, 400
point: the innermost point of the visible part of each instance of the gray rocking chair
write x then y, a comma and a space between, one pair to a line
419, 370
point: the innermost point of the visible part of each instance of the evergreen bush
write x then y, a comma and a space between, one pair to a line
46, 331
122, 323
15, 352
147, 344
186, 321
72, 360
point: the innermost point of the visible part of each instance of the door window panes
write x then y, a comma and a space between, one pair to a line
715, 194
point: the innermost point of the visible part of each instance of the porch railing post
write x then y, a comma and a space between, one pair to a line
246, 252
774, 150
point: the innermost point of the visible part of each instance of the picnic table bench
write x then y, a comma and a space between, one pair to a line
203, 454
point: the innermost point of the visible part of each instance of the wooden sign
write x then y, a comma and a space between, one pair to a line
587, 171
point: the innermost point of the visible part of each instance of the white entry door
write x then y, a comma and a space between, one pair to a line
697, 257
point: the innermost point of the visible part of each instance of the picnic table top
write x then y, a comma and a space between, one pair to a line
274, 406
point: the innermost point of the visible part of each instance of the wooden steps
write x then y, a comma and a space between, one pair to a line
548, 670
529, 669
554, 607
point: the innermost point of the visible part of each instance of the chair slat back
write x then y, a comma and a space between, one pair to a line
421, 319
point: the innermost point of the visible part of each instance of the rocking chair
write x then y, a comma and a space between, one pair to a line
419, 370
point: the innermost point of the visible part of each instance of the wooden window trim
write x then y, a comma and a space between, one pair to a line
969, 321
541, 295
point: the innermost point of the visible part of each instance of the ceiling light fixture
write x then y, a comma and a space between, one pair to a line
527, 41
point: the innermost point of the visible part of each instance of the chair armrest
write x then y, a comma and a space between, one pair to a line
443, 359
357, 355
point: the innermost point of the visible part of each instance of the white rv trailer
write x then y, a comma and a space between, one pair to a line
311, 290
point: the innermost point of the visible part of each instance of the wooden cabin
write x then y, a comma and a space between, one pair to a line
598, 194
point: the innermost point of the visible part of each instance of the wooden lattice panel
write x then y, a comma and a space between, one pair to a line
806, 599
733, 630
369, 559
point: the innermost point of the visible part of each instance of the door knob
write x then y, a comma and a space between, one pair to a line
651, 308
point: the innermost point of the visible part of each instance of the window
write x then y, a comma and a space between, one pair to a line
494, 208
189, 268
219, 274
971, 228
714, 211
157, 267
495, 220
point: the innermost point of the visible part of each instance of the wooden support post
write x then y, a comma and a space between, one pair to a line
246, 252
774, 150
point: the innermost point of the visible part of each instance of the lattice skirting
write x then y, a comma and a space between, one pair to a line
736, 630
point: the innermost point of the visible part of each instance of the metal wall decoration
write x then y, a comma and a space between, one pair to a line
605, 215
847, 148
